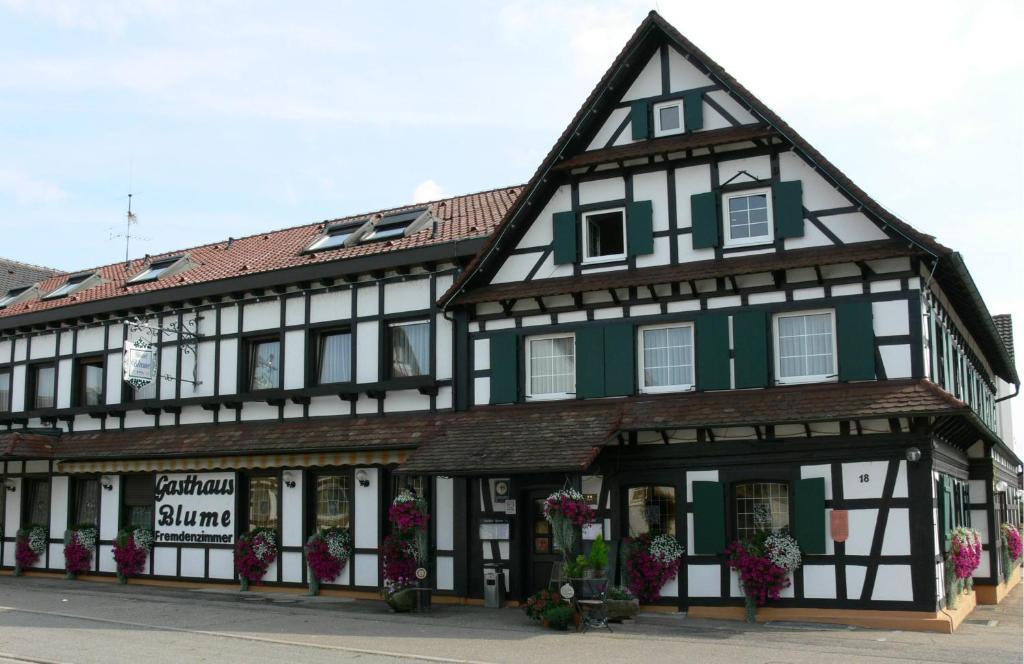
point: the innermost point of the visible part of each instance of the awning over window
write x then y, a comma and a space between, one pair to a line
360, 458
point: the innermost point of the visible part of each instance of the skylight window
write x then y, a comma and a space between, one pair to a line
155, 270
336, 236
397, 225
68, 287
12, 296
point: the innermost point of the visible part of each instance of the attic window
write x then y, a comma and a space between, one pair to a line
668, 118
335, 236
394, 225
155, 270
13, 295
69, 286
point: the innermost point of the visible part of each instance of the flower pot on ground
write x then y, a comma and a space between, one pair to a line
537, 603
403, 600
559, 617
131, 549
621, 605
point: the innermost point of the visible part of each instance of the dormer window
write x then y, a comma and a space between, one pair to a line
14, 295
398, 225
668, 118
336, 236
70, 286
156, 270
604, 236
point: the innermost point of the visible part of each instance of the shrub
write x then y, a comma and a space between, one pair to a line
559, 617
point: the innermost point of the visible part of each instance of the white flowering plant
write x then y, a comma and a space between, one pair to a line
143, 538
38, 538
666, 548
783, 551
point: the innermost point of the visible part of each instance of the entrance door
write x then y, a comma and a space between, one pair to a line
541, 554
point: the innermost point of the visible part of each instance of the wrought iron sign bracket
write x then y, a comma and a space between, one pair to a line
188, 341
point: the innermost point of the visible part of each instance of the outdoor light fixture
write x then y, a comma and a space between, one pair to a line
1001, 486
107, 483
913, 454
289, 479
362, 478
10, 486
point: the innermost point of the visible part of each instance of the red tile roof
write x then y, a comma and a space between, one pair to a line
26, 445
461, 217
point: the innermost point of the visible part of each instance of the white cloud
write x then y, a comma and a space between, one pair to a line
426, 191
27, 190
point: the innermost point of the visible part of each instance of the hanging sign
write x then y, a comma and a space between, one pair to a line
138, 363
195, 508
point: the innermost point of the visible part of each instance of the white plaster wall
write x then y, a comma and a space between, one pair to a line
294, 360
892, 582
704, 580
896, 541
443, 332
366, 506
896, 360
366, 335
854, 487
228, 366
600, 191
44, 345
855, 580
165, 560
192, 561
291, 567
295, 310
113, 378
90, 339
65, 383
481, 390
648, 81
58, 507
18, 388
222, 564
890, 318
445, 573
261, 315
819, 581
367, 300
411, 295
607, 129
862, 531
335, 305
168, 367
366, 569
291, 509
20, 348
517, 267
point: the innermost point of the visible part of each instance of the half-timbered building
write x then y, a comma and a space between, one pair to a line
686, 313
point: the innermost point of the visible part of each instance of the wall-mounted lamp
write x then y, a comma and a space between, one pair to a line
289, 479
107, 483
913, 454
362, 478
1001, 486
11, 485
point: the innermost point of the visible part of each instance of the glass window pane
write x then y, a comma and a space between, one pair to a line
668, 356
761, 506
605, 235
410, 349
264, 365
651, 510
44, 387
805, 346
263, 493
87, 501
38, 502
333, 504
5, 393
335, 358
669, 117
552, 366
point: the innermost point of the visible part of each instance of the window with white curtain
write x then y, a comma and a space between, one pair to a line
551, 366
43, 386
666, 358
410, 348
334, 357
805, 345
5, 391
264, 364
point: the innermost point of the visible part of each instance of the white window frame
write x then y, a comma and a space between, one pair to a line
657, 389
528, 353
727, 226
830, 377
658, 131
588, 260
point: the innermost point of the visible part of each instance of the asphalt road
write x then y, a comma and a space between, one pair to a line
49, 620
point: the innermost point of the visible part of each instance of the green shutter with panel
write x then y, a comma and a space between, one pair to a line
640, 228
708, 518
712, 352
619, 359
640, 120
564, 234
788, 206
855, 337
693, 110
945, 502
809, 514
590, 361
704, 219
750, 338
504, 368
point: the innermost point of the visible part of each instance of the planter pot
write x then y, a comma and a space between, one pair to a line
122, 579
751, 605
314, 584
402, 601
18, 571
244, 584
622, 609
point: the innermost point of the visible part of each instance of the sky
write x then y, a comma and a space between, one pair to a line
232, 117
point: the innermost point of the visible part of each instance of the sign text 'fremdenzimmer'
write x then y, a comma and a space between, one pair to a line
195, 508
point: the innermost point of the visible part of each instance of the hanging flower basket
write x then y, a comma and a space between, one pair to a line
131, 549
764, 562
566, 510
254, 553
79, 549
963, 558
651, 563
327, 552
30, 543
1012, 548
405, 550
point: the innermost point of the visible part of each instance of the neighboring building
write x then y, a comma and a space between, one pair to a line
688, 313
17, 280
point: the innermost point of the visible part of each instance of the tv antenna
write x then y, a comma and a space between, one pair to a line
130, 221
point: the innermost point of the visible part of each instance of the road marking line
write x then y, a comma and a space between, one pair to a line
241, 637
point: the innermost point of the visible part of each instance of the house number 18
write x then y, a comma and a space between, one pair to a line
865, 478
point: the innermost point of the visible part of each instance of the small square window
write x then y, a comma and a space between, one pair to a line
748, 218
805, 345
668, 118
604, 236
264, 365
409, 344
666, 358
551, 366
90, 382
334, 357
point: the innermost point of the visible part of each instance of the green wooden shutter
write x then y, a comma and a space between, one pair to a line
640, 228
619, 359
590, 361
945, 501
708, 518
693, 110
704, 218
564, 232
856, 339
788, 205
504, 368
713, 352
750, 337
809, 512
640, 120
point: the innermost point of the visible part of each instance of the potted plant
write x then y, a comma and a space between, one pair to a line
567, 510
597, 559
327, 552
651, 562
963, 558
764, 562
621, 604
131, 548
30, 543
1012, 548
79, 548
404, 551
254, 553
537, 603
559, 617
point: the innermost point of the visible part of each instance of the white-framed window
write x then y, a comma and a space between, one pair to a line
805, 346
604, 235
668, 118
748, 217
551, 366
665, 358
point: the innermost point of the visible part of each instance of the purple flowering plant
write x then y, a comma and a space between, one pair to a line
255, 551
